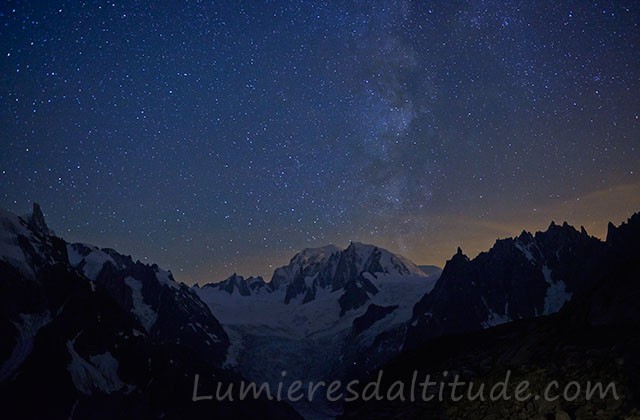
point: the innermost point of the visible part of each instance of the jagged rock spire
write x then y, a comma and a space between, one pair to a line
36, 221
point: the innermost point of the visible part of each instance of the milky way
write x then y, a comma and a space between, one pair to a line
213, 137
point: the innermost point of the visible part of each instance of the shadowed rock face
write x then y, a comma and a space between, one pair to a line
36, 221
518, 278
595, 337
356, 294
373, 314
89, 333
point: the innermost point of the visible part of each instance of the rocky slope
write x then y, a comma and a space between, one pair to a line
88, 333
518, 278
595, 337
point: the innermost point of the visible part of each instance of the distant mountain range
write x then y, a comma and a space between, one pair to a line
95, 334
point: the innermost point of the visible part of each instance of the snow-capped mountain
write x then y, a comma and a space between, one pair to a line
314, 270
518, 278
91, 334
341, 283
317, 313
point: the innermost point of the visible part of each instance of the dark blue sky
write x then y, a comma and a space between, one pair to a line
213, 137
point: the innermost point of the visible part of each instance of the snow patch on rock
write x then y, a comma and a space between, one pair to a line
557, 294
28, 328
100, 372
145, 313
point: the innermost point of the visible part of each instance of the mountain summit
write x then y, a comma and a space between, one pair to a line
36, 221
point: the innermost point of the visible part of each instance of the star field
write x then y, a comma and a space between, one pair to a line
213, 137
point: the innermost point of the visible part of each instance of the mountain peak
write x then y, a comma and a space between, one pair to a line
231, 284
358, 246
323, 251
458, 257
315, 254
611, 228
36, 221
525, 237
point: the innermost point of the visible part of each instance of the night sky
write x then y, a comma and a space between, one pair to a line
213, 137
